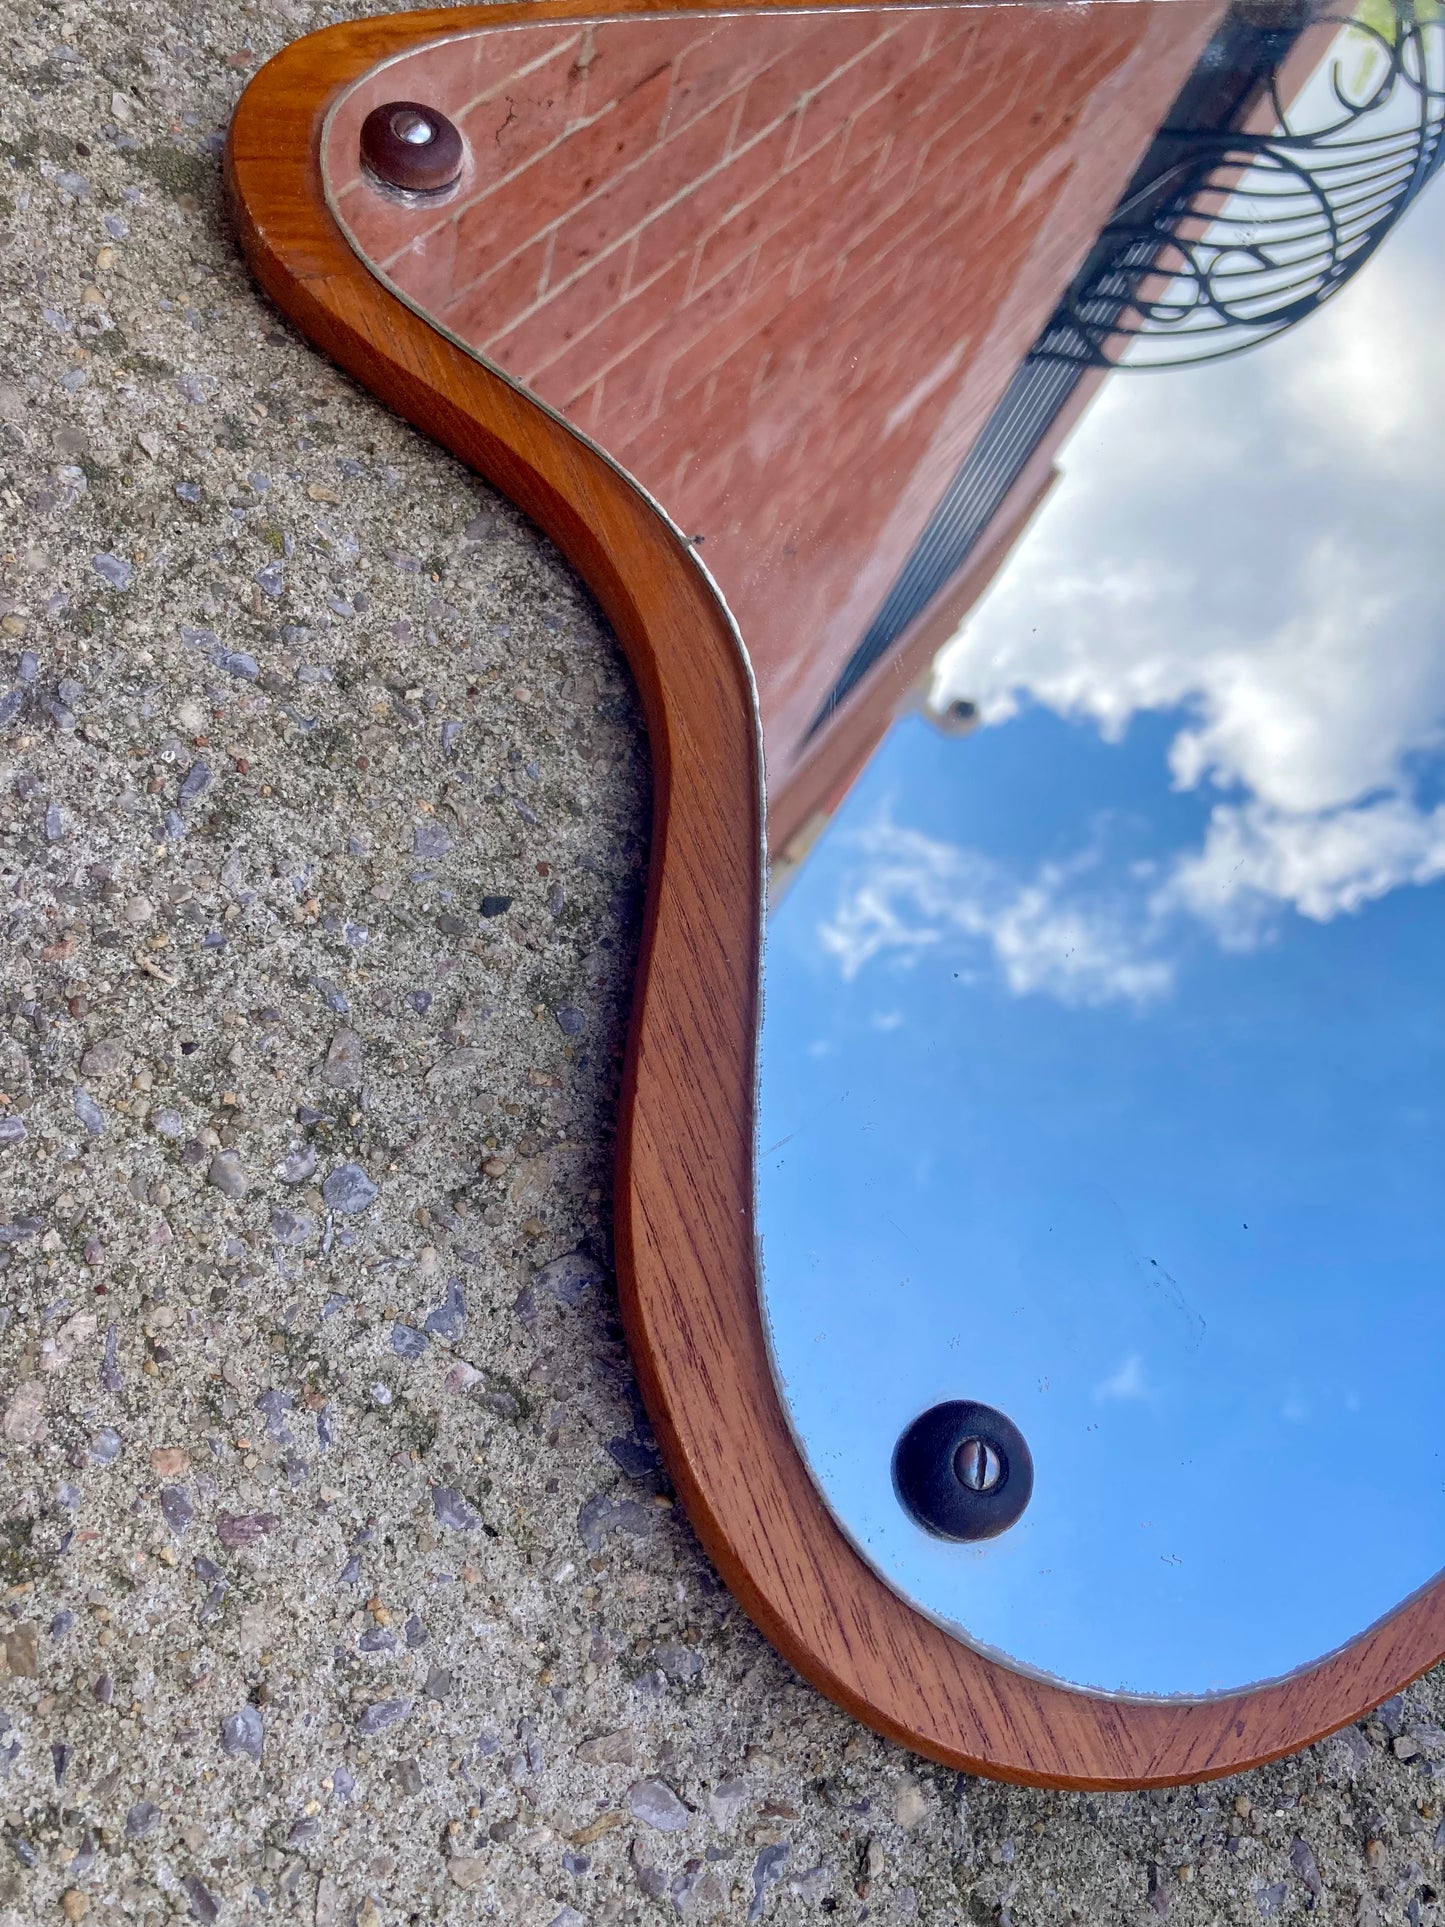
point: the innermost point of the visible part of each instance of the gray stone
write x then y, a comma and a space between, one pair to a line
652, 1880
228, 1174
196, 782
407, 1342
348, 1190
111, 1376
113, 570
450, 1509
910, 1803
637, 1460
380, 1715
141, 1819
177, 1508
816, 1883
243, 1734
104, 1057
275, 1406
602, 1515
333, 997
297, 1166
343, 1069
292, 1227
429, 839
657, 1806
724, 1802
448, 1319
202, 1902
236, 1530
1304, 1864
767, 1871
567, 1278
89, 1113
679, 1662
609, 1749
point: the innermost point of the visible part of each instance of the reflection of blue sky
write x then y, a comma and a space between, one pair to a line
1105, 1049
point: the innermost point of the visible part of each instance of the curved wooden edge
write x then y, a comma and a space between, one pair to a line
685, 1237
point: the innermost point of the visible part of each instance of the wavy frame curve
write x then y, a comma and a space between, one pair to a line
684, 1196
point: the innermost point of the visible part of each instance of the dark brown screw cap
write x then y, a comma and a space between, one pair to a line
963, 1471
412, 147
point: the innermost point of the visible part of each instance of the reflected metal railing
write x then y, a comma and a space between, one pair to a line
1239, 234
1224, 238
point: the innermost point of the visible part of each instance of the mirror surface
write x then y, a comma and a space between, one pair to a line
1104, 708
1104, 1049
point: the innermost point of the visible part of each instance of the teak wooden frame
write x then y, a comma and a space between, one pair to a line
685, 1231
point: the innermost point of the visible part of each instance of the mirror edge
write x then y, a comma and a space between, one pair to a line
685, 1194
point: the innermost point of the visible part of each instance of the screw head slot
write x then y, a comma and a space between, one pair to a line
977, 1465
411, 147
413, 128
963, 1471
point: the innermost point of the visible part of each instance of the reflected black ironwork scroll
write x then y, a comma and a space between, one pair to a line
1232, 235
1227, 235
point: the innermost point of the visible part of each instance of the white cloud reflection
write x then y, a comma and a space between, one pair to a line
1325, 865
912, 893
1127, 1383
1255, 548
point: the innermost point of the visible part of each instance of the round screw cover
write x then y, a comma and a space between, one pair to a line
408, 145
963, 1471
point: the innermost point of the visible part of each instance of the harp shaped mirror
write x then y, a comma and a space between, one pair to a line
1029, 419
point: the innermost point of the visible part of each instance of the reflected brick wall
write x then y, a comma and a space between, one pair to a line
780, 268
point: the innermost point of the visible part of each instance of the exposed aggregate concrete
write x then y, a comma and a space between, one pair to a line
340, 1584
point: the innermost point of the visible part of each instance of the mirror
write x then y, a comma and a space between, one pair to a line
1055, 396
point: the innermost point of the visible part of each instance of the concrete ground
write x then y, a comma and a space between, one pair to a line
339, 1583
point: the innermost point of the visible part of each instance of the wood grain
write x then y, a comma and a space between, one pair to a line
685, 1236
